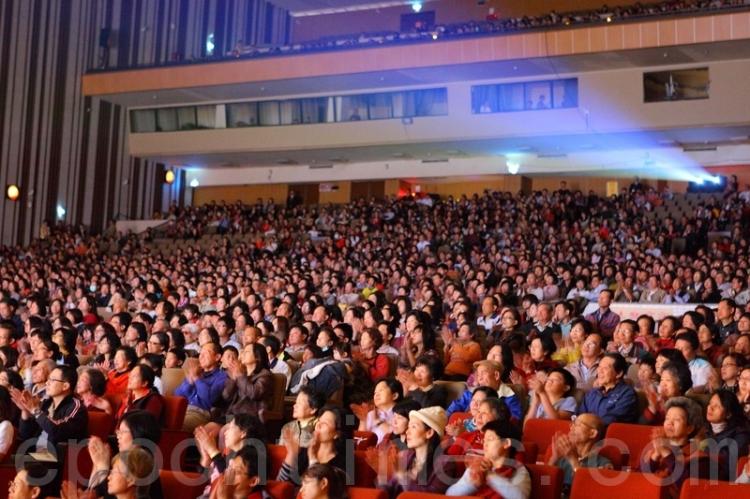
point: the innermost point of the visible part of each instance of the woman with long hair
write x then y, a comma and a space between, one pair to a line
249, 385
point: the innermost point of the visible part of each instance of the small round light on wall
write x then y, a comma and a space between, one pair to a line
12, 192
194, 183
169, 177
61, 212
513, 166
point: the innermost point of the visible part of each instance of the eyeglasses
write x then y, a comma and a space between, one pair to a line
53, 379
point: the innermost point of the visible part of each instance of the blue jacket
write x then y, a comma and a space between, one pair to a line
508, 396
206, 391
619, 405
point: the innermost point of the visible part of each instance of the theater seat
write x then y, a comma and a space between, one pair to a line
7, 474
454, 389
182, 484
279, 490
634, 437
427, 495
458, 417
708, 489
275, 410
546, 481
366, 493
364, 475
174, 412
364, 440
541, 431
171, 378
173, 444
100, 424
276, 455
600, 483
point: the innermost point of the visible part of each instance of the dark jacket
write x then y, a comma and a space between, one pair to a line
68, 421
249, 394
322, 375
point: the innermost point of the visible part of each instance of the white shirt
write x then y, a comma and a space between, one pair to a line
700, 370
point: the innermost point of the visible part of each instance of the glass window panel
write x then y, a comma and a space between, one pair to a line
565, 93
433, 102
166, 120
352, 108
381, 106
398, 101
511, 97
315, 110
538, 95
269, 113
484, 99
186, 118
206, 116
290, 112
242, 114
143, 121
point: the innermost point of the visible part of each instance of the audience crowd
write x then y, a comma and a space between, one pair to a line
430, 333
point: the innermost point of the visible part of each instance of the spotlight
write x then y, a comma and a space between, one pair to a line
699, 181
12, 192
715, 179
194, 183
513, 166
169, 177
60, 212
435, 36
416, 6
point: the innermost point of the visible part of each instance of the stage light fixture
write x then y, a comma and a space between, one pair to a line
416, 6
194, 183
12, 192
513, 166
61, 212
169, 177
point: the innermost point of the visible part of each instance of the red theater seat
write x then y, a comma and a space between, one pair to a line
181, 484
600, 483
546, 481
708, 489
174, 412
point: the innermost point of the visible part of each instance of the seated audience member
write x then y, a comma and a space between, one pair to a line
156, 362
388, 332
297, 340
66, 339
106, 348
584, 370
552, 397
469, 423
58, 418
132, 474
420, 385
570, 352
174, 358
7, 431
645, 336
31, 482
675, 382
327, 446
422, 468
275, 364
613, 400
496, 474
418, 342
461, 352
673, 453
576, 449
137, 430
470, 442
625, 343
377, 365
117, 379
729, 372
667, 329
710, 348
323, 374
728, 432
378, 419
541, 349
604, 320
242, 477
700, 369
743, 390
305, 414
323, 481
202, 387
489, 373
142, 396
501, 354
39, 376
249, 384
91, 386
396, 438
216, 460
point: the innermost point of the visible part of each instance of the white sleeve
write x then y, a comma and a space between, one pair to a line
518, 487
463, 487
7, 434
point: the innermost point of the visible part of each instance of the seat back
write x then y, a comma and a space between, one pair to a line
364, 440
100, 424
276, 455
171, 378
634, 437
365, 493
174, 412
541, 431
173, 444
181, 483
546, 481
712, 489
392, 364
597, 482
454, 389
275, 411
458, 417
364, 475
427, 495
280, 490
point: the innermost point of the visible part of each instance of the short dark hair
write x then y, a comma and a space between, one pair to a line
316, 400
68, 374
689, 336
682, 373
143, 425
620, 364
433, 365
97, 380
405, 406
147, 374
271, 342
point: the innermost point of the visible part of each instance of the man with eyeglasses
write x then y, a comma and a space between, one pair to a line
575, 449
59, 418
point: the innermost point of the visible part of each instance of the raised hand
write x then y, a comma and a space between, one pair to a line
100, 453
